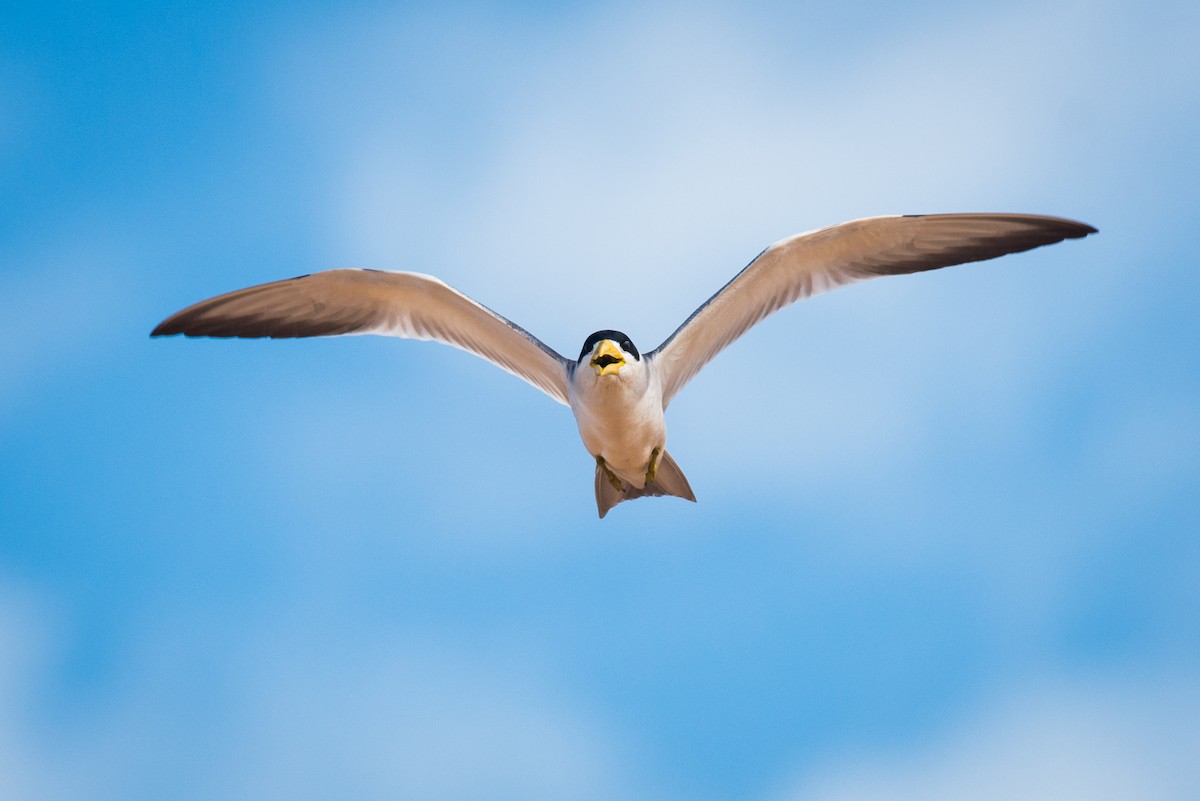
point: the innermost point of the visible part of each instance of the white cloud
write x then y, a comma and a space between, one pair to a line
415, 722
662, 152
618, 171
253, 711
662, 148
1091, 741
615, 167
658, 151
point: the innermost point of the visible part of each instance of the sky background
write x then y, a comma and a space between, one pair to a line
947, 542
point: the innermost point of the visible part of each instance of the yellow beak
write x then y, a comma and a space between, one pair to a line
608, 359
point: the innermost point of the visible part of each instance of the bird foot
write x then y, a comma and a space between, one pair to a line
610, 475
652, 468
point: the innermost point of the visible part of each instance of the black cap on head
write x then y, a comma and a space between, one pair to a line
616, 336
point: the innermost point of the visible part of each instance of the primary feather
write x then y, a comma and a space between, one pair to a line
400, 304
803, 265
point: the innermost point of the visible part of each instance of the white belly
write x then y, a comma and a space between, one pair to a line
620, 420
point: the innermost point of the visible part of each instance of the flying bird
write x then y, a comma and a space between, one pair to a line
618, 393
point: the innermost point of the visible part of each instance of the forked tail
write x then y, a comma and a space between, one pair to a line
669, 480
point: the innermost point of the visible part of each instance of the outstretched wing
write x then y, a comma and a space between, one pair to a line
818, 261
400, 304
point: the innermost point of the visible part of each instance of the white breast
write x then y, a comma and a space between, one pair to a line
620, 417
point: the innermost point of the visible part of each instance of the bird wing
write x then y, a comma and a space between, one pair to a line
818, 261
400, 304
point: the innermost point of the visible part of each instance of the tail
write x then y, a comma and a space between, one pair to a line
669, 480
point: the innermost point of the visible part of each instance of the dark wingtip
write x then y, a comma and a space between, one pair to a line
1077, 229
1071, 229
172, 326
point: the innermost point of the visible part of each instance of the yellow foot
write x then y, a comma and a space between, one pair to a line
652, 469
610, 475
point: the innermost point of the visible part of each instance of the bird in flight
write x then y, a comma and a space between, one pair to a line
618, 393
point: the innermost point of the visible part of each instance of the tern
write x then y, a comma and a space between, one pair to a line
618, 393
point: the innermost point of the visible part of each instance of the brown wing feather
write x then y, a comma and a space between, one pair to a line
818, 261
408, 305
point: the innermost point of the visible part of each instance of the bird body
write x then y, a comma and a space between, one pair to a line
620, 417
618, 394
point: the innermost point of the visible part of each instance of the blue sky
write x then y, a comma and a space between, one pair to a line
947, 539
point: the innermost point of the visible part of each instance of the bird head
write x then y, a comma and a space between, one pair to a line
608, 351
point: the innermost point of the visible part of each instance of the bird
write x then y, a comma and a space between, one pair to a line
617, 393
